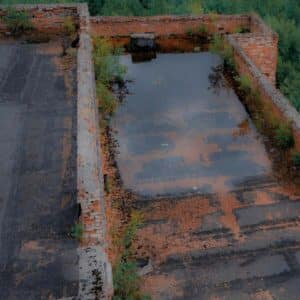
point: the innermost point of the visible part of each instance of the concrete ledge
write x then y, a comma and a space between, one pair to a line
95, 270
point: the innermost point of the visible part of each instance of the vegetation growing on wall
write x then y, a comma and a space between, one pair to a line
108, 70
125, 272
218, 46
278, 132
17, 21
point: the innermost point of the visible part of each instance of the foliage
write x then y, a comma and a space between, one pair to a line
107, 70
17, 21
135, 222
77, 231
107, 101
125, 273
244, 83
69, 26
284, 138
107, 62
219, 47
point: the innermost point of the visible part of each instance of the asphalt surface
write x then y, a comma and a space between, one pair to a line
38, 259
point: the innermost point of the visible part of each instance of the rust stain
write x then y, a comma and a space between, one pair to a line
228, 204
32, 246
157, 285
263, 198
262, 295
243, 128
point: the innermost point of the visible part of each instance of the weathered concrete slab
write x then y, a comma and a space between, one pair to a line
38, 173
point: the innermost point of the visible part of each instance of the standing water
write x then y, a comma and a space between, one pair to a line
182, 128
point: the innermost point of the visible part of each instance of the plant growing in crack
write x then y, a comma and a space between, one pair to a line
77, 231
108, 70
125, 272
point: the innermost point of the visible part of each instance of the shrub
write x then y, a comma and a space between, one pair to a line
217, 44
244, 83
107, 70
126, 280
219, 47
296, 159
69, 27
17, 21
284, 138
125, 273
77, 231
136, 220
107, 63
106, 100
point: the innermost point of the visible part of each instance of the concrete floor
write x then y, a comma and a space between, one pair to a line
38, 259
222, 228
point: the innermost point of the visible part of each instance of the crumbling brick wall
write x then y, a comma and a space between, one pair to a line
166, 25
45, 18
263, 52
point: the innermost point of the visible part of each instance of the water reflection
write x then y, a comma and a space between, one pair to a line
183, 129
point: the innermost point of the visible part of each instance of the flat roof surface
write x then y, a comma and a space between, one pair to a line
38, 258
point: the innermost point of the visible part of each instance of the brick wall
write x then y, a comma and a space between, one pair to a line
262, 49
271, 96
165, 25
45, 18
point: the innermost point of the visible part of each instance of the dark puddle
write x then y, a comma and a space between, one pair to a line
182, 128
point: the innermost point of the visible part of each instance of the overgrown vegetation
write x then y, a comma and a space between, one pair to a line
17, 21
279, 132
125, 272
221, 48
69, 27
108, 70
77, 231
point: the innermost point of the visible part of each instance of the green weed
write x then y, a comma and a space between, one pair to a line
125, 273
17, 21
244, 83
77, 231
284, 138
69, 27
218, 46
